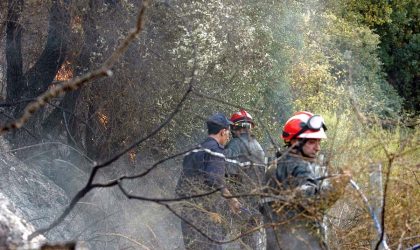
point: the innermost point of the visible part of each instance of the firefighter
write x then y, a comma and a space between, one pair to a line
299, 188
246, 179
203, 172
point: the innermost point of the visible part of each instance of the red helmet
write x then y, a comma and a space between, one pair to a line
304, 124
242, 119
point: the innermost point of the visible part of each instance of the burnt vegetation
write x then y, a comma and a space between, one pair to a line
104, 97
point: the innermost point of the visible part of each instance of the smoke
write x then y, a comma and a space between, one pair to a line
104, 219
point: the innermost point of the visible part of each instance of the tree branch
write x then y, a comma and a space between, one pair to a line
76, 83
105, 70
164, 200
46, 67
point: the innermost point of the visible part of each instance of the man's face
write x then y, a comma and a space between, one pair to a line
312, 147
225, 136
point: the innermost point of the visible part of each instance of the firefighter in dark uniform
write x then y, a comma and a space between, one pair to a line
203, 172
244, 148
300, 193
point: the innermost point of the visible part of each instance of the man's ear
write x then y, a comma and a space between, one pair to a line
220, 133
224, 131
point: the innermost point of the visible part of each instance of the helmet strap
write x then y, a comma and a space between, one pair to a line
299, 146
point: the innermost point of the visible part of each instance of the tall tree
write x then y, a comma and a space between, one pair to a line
396, 23
36, 80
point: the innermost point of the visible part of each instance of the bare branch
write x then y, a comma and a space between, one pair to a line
144, 173
400, 241
197, 93
125, 237
415, 176
76, 83
23, 127
364, 121
151, 134
382, 235
71, 114
267, 225
73, 84
89, 186
370, 209
52, 143
164, 200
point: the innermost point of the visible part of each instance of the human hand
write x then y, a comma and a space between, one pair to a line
345, 176
342, 179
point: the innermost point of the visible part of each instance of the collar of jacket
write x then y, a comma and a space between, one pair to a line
246, 136
212, 139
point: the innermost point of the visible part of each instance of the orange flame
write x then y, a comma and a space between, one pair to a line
103, 119
76, 23
132, 156
65, 72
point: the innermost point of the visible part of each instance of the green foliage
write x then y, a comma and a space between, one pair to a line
271, 57
396, 23
236, 61
356, 146
267, 56
339, 58
400, 50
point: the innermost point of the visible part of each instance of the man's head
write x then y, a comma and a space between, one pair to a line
218, 127
304, 131
307, 147
242, 122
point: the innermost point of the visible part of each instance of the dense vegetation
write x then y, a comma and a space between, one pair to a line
354, 62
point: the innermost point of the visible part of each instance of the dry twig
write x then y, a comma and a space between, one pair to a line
76, 83
104, 70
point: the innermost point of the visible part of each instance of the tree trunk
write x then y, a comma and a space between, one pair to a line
14, 74
38, 78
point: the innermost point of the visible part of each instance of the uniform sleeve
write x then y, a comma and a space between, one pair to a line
317, 193
232, 152
297, 176
215, 169
245, 150
259, 152
304, 180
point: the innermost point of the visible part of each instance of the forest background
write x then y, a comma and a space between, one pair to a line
354, 62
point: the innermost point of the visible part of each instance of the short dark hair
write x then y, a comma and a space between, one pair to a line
213, 128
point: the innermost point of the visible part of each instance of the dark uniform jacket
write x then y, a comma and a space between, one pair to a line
246, 180
295, 172
203, 170
302, 199
245, 148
